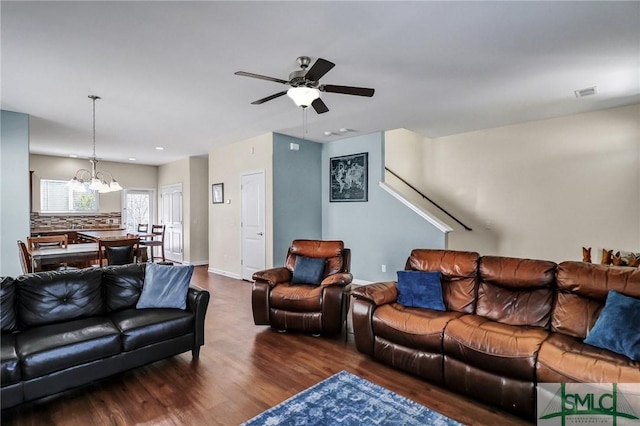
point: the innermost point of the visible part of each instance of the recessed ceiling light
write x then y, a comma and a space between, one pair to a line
588, 91
344, 130
132, 159
159, 148
328, 133
73, 156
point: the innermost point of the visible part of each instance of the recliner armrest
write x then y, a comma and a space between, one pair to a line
341, 279
377, 293
273, 276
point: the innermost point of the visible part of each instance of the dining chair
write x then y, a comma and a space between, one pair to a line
62, 241
157, 240
118, 252
143, 227
48, 241
25, 258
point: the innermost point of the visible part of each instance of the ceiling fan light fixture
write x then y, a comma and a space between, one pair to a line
303, 96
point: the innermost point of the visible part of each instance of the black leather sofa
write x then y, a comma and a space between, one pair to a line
64, 329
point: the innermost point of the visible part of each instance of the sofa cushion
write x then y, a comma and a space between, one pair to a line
582, 291
123, 285
297, 297
516, 291
502, 349
414, 328
564, 358
7, 304
10, 364
165, 286
308, 270
616, 328
458, 271
54, 347
420, 289
142, 327
49, 297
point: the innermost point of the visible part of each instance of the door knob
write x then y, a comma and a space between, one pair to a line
260, 233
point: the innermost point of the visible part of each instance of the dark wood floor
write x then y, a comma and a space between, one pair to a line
243, 370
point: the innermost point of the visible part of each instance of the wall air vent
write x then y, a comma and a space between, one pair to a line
585, 92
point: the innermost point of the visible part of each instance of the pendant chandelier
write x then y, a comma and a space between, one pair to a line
101, 181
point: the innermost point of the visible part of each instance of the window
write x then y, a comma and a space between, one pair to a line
57, 197
138, 207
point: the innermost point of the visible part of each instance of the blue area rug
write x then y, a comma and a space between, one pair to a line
345, 399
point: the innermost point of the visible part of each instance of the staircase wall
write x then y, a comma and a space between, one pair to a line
540, 189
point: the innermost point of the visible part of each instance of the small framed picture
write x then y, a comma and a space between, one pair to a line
217, 193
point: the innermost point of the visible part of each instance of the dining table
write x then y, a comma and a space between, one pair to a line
111, 234
117, 234
56, 255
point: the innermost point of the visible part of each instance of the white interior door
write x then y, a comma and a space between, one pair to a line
171, 217
252, 223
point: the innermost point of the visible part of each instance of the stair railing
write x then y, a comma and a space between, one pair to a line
428, 199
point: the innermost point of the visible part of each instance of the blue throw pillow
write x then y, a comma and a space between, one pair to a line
418, 289
618, 326
308, 270
165, 286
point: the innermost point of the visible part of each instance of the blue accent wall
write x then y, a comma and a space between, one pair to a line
379, 231
297, 204
14, 188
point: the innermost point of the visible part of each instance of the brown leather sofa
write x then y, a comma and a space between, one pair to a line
510, 323
314, 308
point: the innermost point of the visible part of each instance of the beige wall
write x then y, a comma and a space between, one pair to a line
199, 214
128, 175
191, 172
541, 189
226, 164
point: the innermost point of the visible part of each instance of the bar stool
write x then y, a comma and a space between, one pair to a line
156, 241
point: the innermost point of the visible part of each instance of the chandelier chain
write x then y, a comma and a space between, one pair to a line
101, 181
94, 98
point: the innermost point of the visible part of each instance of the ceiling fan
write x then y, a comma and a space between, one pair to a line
305, 85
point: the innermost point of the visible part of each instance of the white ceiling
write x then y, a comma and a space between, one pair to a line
165, 69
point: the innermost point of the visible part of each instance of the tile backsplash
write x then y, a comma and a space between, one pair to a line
76, 221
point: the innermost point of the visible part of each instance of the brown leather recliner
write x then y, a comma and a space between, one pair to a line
318, 309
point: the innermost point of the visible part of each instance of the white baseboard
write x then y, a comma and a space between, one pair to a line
196, 262
356, 282
225, 273
360, 282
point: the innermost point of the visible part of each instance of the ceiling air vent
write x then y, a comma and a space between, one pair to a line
585, 92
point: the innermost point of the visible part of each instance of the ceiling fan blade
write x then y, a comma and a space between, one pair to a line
261, 77
347, 90
319, 106
319, 68
268, 98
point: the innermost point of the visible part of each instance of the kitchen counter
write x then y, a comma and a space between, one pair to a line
72, 233
50, 230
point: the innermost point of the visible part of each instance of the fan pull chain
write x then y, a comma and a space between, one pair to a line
304, 122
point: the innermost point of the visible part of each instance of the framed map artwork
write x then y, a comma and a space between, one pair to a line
348, 178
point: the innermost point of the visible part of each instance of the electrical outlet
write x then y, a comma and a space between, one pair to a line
384, 268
